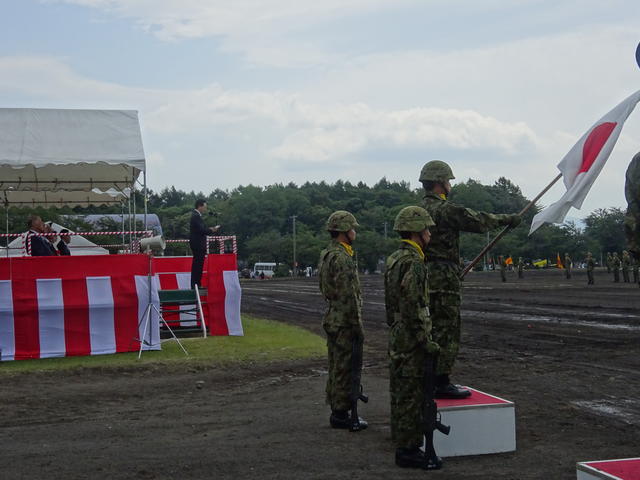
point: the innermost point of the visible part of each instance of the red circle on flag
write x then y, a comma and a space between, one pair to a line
594, 143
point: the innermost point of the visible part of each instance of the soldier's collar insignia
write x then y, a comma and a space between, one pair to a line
415, 245
348, 248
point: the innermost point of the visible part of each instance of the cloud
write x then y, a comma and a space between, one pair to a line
328, 133
303, 130
261, 30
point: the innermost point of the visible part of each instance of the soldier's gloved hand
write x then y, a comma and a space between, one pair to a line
432, 347
514, 220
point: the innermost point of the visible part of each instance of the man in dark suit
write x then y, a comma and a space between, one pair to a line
39, 246
65, 239
198, 240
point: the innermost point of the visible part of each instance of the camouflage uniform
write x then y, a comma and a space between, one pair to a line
634, 268
520, 268
407, 308
626, 263
609, 262
591, 265
442, 262
615, 266
567, 266
503, 268
340, 287
632, 217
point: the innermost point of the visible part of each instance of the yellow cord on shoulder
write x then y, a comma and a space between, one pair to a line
414, 245
443, 196
348, 248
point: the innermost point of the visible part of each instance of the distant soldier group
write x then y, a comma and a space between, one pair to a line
422, 300
626, 264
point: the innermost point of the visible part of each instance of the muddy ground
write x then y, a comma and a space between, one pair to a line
567, 354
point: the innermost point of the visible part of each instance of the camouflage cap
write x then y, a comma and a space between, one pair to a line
341, 221
412, 219
436, 171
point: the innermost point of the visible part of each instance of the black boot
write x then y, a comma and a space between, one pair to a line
358, 425
339, 419
415, 458
445, 389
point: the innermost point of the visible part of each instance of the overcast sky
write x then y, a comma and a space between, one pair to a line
263, 91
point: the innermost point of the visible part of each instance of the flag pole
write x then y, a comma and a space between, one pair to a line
504, 231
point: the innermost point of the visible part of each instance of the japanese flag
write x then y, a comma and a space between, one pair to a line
585, 160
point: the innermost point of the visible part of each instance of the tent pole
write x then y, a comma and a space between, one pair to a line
123, 224
144, 190
6, 209
130, 234
135, 220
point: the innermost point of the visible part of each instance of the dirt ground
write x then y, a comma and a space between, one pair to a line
567, 354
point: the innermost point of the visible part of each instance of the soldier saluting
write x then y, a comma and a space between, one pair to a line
442, 254
342, 322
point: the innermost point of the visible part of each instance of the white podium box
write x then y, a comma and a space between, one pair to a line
622, 469
480, 424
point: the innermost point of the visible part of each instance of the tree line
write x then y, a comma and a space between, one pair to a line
262, 219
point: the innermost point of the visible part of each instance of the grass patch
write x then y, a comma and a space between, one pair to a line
263, 341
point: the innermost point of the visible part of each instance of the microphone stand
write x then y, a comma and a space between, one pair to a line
145, 320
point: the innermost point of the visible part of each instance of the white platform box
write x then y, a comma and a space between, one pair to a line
622, 469
480, 424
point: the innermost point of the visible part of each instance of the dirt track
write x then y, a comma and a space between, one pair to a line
565, 353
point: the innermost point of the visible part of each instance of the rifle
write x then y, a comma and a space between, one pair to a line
356, 386
430, 417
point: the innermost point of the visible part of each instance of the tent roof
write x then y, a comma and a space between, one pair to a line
59, 198
50, 149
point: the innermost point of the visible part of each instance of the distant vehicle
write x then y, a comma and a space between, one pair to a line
265, 268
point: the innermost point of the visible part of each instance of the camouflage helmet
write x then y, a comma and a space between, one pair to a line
341, 221
412, 219
436, 171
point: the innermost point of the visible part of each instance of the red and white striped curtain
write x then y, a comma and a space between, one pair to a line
64, 306
220, 278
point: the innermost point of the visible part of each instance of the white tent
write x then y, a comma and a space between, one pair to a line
72, 150
78, 246
53, 157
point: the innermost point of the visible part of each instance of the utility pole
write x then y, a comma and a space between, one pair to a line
295, 263
385, 230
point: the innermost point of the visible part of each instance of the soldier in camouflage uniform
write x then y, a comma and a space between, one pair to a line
591, 265
503, 268
615, 266
442, 262
567, 266
609, 262
626, 264
632, 217
342, 322
520, 267
407, 307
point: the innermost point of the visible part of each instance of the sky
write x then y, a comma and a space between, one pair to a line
277, 91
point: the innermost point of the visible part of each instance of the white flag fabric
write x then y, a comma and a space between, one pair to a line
582, 164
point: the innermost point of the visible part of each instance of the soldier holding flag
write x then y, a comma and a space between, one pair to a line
443, 253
